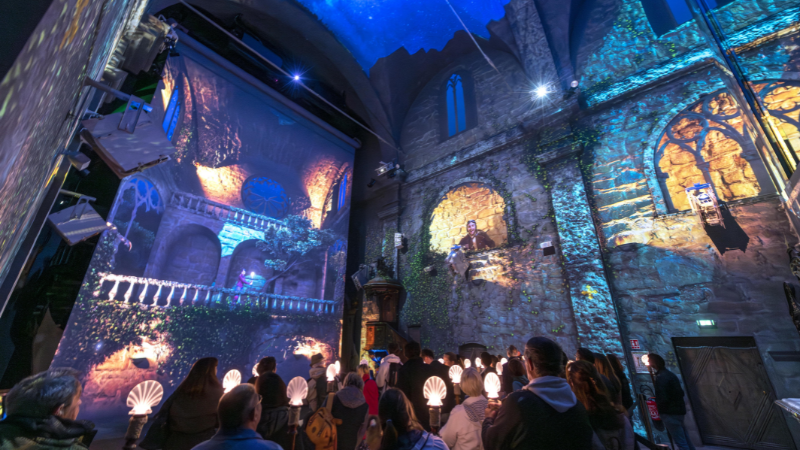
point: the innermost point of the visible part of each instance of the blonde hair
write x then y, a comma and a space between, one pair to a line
471, 382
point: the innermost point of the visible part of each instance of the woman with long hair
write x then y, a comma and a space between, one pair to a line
193, 412
619, 371
401, 430
611, 426
604, 367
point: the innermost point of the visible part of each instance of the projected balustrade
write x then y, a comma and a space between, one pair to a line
208, 208
167, 294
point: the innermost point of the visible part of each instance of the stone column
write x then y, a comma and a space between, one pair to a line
595, 314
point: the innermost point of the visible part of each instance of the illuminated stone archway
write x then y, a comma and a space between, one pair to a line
469, 201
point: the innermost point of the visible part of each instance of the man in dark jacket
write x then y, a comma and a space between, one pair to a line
442, 371
669, 401
507, 379
41, 413
411, 380
545, 415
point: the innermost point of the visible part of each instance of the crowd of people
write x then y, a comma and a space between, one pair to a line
547, 402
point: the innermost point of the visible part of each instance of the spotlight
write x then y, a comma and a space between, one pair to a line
296, 78
372, 182
541, 91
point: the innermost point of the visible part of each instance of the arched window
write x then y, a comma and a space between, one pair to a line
782, 99
706, 143
265, 196
456, 105
172, 115
342, 192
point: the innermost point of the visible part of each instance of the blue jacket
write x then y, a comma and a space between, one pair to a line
240, 439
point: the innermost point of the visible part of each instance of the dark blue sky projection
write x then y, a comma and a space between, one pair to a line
372, 29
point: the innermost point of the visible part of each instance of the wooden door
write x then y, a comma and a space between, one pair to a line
731, 396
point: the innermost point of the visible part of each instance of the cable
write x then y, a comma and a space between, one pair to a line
280, 69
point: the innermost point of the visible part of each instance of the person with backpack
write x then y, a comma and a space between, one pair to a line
317, 382
390, 366
545, 415
351, 409
411, 380
611, 426
401, 429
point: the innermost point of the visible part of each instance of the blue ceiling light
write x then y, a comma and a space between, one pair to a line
374, 29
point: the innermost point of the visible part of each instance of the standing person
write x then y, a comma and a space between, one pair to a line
350, 407
239, 412
450, 359
41, 411
488, 364
463, 429
627, 397
544, 415
507, 379
519, 378
610, 424
260, 368
401, 429
240, 282
670, 403
190, 412
317, 382
411, 380
386, 369
442, 371
371, 394
584, 354
274, 423
604, 368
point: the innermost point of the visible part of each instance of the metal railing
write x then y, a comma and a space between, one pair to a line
208, 208
169, 294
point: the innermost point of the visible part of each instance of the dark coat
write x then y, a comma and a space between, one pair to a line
669, 394
350, 406
411, 380
482, 241
192, 420
526, 422
274, 426
272, 389
627, 398
51, 433
443, 372
507, 380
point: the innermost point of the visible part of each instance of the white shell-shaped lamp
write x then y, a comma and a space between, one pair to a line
255, 372
330, 373
467, 364
455, 373
503, 361
491, 384
435, 390
144, 396
232, 379
297, 391
338, 367
441, 360
478, 363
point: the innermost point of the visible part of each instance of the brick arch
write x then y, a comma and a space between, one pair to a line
192, 255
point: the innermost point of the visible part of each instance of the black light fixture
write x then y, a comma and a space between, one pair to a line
372, 182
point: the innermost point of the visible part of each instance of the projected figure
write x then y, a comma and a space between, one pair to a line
476, 239
240, 283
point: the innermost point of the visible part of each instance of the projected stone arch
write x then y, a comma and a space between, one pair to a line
250, 259
473, 201
192, 256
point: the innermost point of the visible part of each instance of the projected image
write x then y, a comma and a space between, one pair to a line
235, 249
471, 216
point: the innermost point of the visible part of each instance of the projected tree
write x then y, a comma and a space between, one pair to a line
293, 246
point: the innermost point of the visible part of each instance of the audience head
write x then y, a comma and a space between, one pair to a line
353, 379
397, 417
363, 369
55, 392
542, 357
428, 356
584, 354
471, 382
516, 368
239, 408
604, 367
512, 351
616, 365
656, 362
450, 359
393, 348
202, 376
585, 382
317, 359
412, 350
267, 364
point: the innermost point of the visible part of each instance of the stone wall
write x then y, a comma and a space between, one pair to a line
469, 202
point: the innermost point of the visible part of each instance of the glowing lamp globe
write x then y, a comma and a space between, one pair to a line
541, 91
499, 368
478, 363
503, 361
491, 384
435, 390
467, 364
441, 360
330, 372
646, 360
232, 379
338, 367
455, 374
255, 370
297, 391
144, 396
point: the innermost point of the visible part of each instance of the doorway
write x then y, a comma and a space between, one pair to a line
732, 398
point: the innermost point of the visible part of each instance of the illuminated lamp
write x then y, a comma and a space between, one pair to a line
541, 91
338, 367
330, 373
491, 384
435, 391
441, 360
255, 370
455, 376
646, 360
142, 398
232, 379
467, 364
478, 363
296, 78
706, 323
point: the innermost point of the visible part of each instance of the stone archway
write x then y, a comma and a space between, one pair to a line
192, 256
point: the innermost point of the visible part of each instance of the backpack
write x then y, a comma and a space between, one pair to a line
321, 427
391, 377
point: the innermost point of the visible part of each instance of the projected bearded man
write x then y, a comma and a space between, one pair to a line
476, 239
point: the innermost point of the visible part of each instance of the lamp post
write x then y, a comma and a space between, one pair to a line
296, 391
491, 384
141, 399
455, 376
435, 391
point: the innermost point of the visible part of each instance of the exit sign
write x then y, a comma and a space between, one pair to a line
635, 344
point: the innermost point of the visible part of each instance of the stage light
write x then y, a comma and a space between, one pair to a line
144, 396
296, 78
455, 374
232, 379
491, 384
703, 323
541, 91
467, 364
574, 84
297, 391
